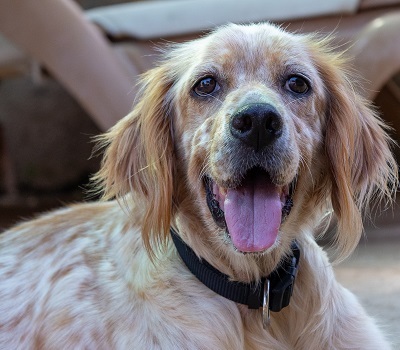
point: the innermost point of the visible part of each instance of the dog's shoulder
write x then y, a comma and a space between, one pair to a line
55, 231
58, 271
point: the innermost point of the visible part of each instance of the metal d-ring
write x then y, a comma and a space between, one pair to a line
265, 309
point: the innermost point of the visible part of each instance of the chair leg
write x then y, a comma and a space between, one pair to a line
6, 169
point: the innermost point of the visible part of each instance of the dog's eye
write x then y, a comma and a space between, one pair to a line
206, 86
297, 84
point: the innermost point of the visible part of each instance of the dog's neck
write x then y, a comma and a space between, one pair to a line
274, 289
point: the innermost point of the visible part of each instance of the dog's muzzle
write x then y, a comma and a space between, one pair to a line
252, 204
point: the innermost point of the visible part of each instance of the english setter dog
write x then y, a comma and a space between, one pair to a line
241, 143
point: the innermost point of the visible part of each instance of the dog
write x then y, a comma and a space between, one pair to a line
242, 143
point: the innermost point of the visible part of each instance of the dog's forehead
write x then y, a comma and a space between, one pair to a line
247, 35
253, 43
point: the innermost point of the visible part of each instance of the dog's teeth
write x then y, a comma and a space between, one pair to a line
227, 238
223, 191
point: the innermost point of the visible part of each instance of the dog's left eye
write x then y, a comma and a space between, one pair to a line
206, 86
297, 84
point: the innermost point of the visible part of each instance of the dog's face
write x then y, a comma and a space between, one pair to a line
247, 125
243, 139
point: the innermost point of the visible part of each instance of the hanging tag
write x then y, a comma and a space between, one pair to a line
265, 309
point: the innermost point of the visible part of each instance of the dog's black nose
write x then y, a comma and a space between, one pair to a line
257, 124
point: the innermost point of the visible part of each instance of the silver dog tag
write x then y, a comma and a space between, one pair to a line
265, 309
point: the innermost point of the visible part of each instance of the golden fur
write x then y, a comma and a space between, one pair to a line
105, 275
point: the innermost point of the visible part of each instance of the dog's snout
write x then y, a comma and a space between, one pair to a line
257, 125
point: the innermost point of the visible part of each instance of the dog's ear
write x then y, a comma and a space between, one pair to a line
138, 159
360, 163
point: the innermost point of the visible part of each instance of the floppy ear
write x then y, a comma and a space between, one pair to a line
360, 164
138, 158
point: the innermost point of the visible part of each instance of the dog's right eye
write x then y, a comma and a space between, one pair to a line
297, 84
206, 86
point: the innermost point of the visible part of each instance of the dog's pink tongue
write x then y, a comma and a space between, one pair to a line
253, 214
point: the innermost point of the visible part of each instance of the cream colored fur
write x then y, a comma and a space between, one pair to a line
106, 275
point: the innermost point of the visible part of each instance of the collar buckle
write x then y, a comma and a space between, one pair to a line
283, 280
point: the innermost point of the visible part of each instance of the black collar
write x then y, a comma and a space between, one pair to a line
280, 282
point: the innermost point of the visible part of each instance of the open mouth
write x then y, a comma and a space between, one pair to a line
252, 212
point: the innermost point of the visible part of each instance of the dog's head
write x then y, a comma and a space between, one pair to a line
243, 139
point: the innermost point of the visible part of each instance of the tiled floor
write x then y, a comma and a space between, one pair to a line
373, 274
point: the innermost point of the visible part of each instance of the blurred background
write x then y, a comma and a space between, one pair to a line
68, 71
